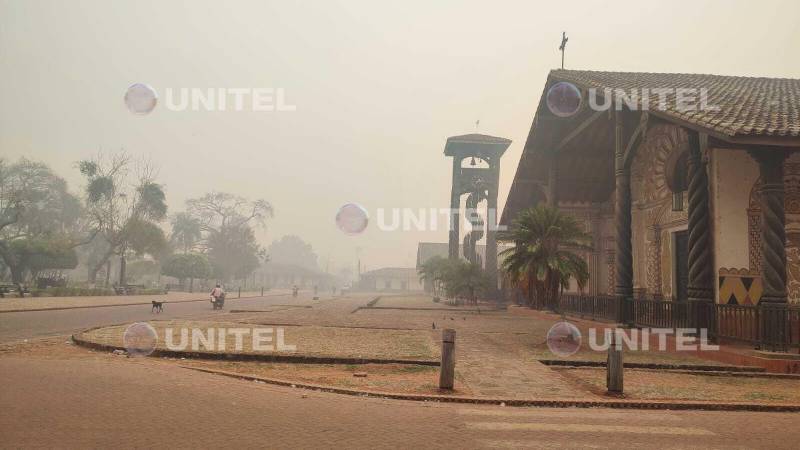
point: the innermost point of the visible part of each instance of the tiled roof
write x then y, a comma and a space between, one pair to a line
476, 138
747, 106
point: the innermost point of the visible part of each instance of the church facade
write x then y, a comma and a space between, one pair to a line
699, 203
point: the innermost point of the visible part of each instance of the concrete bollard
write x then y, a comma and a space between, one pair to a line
614, 367
448, 369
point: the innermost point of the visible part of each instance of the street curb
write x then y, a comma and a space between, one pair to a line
705, 373
369, 305
698, 367
253, 311
62, 308
262, 357
404, 308
556, 403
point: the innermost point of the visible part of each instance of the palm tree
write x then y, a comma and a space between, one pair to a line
544, 253
432, 271
186, 232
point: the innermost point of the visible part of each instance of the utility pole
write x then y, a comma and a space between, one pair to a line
563, 46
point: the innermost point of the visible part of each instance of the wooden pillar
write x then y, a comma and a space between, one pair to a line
447, 371
615, 366
773, 225
773, 303
622, 218
455, 206
701, 257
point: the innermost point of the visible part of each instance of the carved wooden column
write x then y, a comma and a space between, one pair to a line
773, 225
774, 321
622, 219
701, 259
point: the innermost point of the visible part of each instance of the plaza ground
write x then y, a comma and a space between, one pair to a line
105, 401
95, 398
498, 352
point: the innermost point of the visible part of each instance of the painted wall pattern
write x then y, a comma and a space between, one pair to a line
735, 286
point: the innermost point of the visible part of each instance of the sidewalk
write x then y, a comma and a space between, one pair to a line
727, 354
492, 370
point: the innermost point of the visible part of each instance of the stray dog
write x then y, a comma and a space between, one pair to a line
157, 307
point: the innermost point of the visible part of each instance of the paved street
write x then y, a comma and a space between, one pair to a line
113, 401
26, 325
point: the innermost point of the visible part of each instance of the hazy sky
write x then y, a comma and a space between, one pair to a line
378, 87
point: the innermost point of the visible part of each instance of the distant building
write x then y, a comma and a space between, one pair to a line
427, 250
287, 275
396, 279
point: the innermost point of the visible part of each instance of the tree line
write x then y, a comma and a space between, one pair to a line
120, 214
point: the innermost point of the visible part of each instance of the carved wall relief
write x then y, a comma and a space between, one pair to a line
654, 261
652, 198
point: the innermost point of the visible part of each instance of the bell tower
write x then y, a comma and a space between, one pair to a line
476, 173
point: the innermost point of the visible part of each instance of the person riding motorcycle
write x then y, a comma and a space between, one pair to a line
217, 294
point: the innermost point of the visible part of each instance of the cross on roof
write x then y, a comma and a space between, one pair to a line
563, 46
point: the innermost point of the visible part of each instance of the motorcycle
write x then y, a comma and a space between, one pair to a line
218, 302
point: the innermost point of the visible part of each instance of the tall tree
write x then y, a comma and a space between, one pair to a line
187, 265
36, 209
292, 250
545, 252
227, 222
123, 198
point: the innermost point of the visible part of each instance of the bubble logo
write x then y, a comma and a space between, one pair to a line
140, 339
140, 98
563, 339
352, 218
564, 99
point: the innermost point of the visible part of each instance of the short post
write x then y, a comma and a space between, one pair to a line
239, 295
448, 368
614, 366
262, 291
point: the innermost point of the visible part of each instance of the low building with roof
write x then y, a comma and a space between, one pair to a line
391, 279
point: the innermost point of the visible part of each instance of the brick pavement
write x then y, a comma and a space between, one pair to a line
499, 371
123, 403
